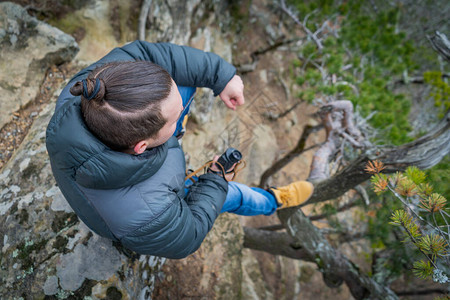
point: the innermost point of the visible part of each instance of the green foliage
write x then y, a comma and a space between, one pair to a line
440, 90
433, 203
401, 218
434, 245
422, 269
374, 53
379, 182
440, 177
442, 298
383, 237
416, 175
430, 238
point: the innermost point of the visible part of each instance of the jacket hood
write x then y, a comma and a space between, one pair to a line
80, 155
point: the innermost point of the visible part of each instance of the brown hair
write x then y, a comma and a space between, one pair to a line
125, 104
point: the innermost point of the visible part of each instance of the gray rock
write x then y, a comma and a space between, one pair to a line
27, 48
51, 285
97, 261
170, 21
59, 203
46, 250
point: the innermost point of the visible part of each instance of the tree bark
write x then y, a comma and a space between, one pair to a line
441, 45
337, 119
305, 242
334, 266
276, 243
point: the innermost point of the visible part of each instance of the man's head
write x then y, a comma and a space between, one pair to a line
134, 105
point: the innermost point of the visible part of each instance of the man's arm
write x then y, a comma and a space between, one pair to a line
180, 229
187, 66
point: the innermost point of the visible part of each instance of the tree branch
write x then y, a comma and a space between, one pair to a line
423, 153
251, 66
337, 119
440, 44
417, 79
334, 266
422, 292
305, 29
298, 149
276, 243
342, 208
143, 18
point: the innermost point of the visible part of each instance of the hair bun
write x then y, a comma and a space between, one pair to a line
89, 89
77, 89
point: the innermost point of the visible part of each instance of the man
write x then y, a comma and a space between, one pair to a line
115, 156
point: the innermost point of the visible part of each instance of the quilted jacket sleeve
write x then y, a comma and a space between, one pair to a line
187, 66
182, 227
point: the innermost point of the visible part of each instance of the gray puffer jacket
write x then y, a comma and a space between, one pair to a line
138, 200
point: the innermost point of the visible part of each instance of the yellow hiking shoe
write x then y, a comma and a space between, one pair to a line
293, 194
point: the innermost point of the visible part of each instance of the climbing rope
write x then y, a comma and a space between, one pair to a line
205, 167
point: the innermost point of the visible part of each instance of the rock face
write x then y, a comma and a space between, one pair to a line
45, 250
27, 48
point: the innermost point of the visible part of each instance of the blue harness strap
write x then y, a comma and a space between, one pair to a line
187, 93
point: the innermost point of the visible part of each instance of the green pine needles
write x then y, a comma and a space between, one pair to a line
424, 218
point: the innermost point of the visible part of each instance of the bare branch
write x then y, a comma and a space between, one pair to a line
417, 79
363, 193
251, 66
272, 227
440, 44
143, 18
299, 148
344, 207
276, 243
354, 88
421, 292
337, 117
283, 114
294, 17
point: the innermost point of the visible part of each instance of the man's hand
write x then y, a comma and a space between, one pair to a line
216, 168
233, 93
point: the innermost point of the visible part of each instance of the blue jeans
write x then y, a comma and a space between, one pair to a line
241, 199
248, 201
